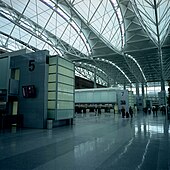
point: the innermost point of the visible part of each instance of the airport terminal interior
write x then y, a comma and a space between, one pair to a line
85, 85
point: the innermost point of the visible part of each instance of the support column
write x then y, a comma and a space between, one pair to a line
95, 85
143, 96
137, 89
108, 82
124, 86
143, 91
163, 92
130, 87
146, 87
161, 67
138, 98
160, 54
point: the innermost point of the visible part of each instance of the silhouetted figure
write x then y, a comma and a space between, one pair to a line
145, 110
163, 110
156, 111
84, 111
153, 110
127, 115
95, 111
123, 112
149, 110
116, 109
99, 111
131, 111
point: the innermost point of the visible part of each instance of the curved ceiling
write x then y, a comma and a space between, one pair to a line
103, 17
133, 35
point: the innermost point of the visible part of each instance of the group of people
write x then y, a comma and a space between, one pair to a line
126, 114
97, 111
155, 109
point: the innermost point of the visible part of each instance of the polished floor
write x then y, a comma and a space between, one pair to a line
105, 142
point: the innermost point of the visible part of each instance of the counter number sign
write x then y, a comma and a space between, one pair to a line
31, 65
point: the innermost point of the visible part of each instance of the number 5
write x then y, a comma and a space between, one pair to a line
31, 65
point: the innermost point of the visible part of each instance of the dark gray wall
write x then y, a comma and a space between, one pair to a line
33, 71
4, 73
5, 64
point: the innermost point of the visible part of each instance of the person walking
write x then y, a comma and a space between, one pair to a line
123, 112
153, 110
131, 111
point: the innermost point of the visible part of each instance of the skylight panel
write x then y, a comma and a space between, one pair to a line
18, 5
20, 34
100, 16
84, 10
147, 12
